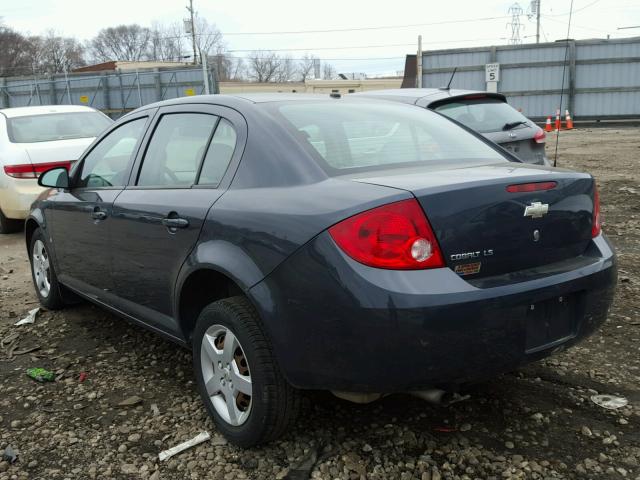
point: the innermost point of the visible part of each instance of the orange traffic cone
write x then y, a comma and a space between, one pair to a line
558, 121
547, 127
569, 122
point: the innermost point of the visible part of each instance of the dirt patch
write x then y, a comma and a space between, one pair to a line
538, 422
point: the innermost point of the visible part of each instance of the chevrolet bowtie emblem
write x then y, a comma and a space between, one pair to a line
536, 210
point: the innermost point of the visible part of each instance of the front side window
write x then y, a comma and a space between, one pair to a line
347, 136
107, 165
56, 126
176, 149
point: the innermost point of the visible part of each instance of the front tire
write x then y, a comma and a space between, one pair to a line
43, 274
238, 377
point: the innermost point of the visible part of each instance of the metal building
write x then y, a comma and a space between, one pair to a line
601, 77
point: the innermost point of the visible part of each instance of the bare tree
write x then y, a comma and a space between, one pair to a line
227, 68
263, 65
238, 69
165, 43
14, 53
286, 70
209, 40
306, 67
53, 53
124, 42
328, 72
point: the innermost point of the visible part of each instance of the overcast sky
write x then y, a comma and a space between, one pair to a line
384, 48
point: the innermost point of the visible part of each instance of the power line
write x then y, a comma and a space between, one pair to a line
359, 29
576, 11
360, 46
576, 26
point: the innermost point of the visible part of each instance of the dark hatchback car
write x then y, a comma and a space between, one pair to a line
486, 113
307, 242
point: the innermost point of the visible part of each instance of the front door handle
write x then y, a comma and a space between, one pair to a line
98, 214
175, 222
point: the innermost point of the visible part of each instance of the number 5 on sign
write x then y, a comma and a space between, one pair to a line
492, 72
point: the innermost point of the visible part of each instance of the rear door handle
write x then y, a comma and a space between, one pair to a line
175, 222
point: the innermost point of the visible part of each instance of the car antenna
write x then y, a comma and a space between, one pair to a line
448, 87
564, 67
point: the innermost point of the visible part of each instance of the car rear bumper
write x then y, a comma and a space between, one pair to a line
339, 325
17, 195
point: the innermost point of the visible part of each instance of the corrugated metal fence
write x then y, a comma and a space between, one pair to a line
113, 92
602, 77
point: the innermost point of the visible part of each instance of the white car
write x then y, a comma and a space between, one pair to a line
35, 139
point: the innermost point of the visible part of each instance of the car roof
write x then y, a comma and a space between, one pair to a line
43, 110
425, 96
242, 100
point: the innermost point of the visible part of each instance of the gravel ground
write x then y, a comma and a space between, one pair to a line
538, 422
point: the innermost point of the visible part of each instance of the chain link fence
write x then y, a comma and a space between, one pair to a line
112, 92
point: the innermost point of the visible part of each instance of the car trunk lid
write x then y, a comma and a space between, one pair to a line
483, 229
57, 150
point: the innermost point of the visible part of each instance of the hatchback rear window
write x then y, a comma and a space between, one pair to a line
348, 135
482, 115
56, 126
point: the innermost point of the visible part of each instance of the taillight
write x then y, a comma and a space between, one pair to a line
540, 136
395, 236
28, 170
596, 224
531, 187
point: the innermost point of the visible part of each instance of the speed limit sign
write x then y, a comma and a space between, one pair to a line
492, 72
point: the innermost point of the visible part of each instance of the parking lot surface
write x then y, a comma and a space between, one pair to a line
538, 422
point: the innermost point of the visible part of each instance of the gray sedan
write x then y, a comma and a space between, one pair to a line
486, 113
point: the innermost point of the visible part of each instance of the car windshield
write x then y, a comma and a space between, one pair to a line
346, 135
56, 126
483, 115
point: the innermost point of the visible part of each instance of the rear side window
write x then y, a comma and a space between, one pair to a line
346, 136
56, 126
107, 165
176, 149
482, 115
219, 154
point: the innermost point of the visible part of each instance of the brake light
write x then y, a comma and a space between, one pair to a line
596, 224
473, 97
396, 236
531, 187
28, 170
540, 136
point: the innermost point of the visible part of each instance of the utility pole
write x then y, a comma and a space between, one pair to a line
193, 31
419, 63
534, 9
537, 21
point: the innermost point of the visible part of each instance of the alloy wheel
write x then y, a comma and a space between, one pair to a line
226, 374
41, 268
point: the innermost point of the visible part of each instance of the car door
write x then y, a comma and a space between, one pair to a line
81, 214
157, 219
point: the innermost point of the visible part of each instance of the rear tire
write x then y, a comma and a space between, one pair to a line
272, 405
43, 273
8, 225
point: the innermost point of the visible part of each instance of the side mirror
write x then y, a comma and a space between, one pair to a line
55, 178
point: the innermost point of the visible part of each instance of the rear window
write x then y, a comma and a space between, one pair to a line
345, 136
56, 126
482, 115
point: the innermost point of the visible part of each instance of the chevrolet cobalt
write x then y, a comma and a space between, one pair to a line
316, 242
